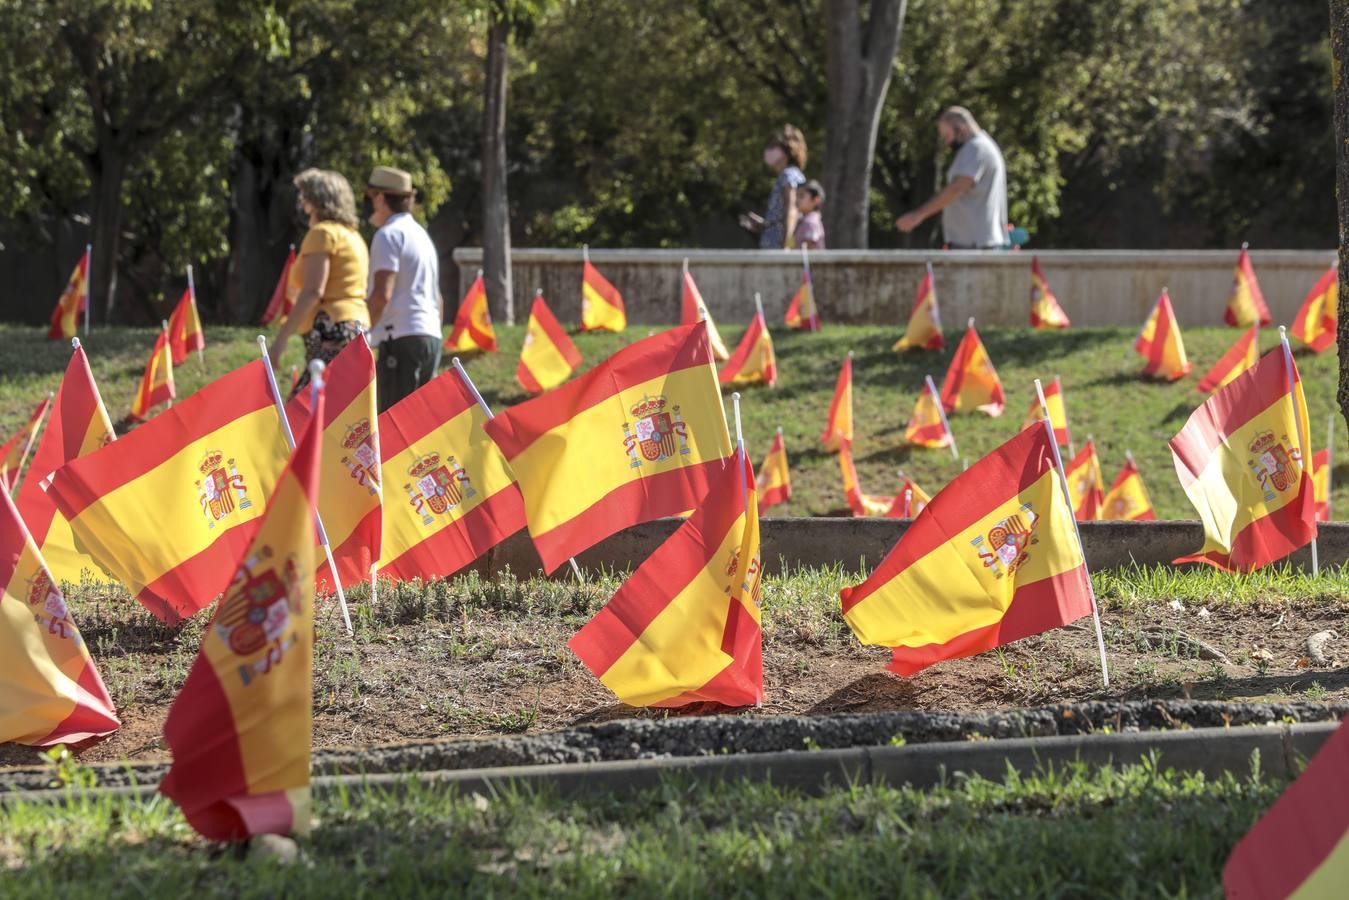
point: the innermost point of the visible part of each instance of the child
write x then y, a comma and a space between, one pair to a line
809, 227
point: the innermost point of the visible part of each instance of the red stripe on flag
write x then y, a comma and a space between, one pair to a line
773, 496
450, 549
1270, 537
88, 718
353, 555
202, 577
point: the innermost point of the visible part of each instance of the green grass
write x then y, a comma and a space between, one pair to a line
1105, 396
1123, 832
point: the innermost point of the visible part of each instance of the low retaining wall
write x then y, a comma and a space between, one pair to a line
1095, 287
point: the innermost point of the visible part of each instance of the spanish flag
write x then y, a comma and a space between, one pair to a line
473, 323
1160, 343
79, 426
15, 451
169, 508
924, 330
1058, 413
1086, 488
753, 361
601, 304
636, 438
1238, 358
992, 559
456, 497
838, 427
1246, 306
917, 500
1319, 314
1300, 847
351, 504
156, 385
802, 314
1045, 311
74, 299
685, 627
774, 483
241, 729
693, 309
927, 427
862, 504
1240, 460
548, 357
971, 381
282, 300
1321, 484
50, 692
185, 334
1127, 499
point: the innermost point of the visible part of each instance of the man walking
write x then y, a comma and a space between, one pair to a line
405, 302
973, 205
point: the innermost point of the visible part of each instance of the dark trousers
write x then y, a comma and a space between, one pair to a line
405, 364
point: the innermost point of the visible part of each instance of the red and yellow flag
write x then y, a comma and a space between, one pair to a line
473, 328
185, 334
241, 729
802, 314
156, 385
169, 508
1240, 460
601, 304
1086, 488
282, 299
685, 627
1160, 343
1321, 484
50, 692
861, 503
1127, 499
971, 381
926, 426
692, 309
1300, 847
1238, 358
924, 329
548, 357
1246, 306
15, 450
79, 425
351, 504
774, 483
636, 438
1319, 315
917, 500
456, 497
1045, 311
1058, 412
992, 559
753, 361
838, 427
74, 299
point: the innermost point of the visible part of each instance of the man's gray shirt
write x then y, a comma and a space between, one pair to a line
978, 217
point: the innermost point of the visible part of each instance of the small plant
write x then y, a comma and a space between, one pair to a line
1315, 691
66, 771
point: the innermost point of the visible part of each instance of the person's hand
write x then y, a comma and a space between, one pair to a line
274, 353
751, 222
908, 222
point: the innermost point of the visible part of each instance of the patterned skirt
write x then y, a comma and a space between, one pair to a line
324, 341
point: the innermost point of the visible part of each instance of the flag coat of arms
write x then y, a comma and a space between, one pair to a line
16, 449
168, 509
1127, 499
473, 329
451, 495
602, 306
1318, 317
692, 309
1160, 343
861, 503
1321, 484
774, 484
1246, 306
1045, 311
992, 559
838, 427
73, 302
1058, 412
971, 381
50, 692
802, 313
185, 334
156, 385
241, 729
685, 627
1086, 488
1240, 460
1238, 358
924, 328
548, 357
926, 427
282, 300
635, 438
79, 425
753, 361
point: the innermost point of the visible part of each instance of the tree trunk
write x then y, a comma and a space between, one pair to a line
496, 214
860, 61
261, 227
107, 171
1339, 48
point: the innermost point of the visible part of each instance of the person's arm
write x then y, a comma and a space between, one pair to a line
315, 267
911, 220
789, 198
381, 292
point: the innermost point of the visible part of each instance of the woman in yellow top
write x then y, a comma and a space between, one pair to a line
330, 308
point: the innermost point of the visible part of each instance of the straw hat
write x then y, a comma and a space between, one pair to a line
390, 180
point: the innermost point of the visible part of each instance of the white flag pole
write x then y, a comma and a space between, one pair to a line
315, 368
89, 267
908, 503
1077, 532
1297, 423
192, 292
32, 439
374, 583
941, 411
740, 448
1330, 458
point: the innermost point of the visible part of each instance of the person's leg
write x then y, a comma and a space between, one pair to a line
386, 385
411, 362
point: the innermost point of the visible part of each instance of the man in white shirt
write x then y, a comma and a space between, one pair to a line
405, 302
973, 205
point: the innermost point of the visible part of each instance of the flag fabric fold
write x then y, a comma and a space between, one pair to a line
1246, 306
774, 484
473, 329
924, 328
1318, 317
861, 503
1045, 312
156, 385
918, 500
753, 361
1238, 358
74, 300
1086, 489
1321, 484
548, 357
185, 333
1058, 412
802, 313
15, 450
1127, 500
692, 309
1160, 343
971, 381
838, 427
926, 427
282, 300
602, 306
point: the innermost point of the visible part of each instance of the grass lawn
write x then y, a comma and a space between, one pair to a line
1126, 832
1105, 397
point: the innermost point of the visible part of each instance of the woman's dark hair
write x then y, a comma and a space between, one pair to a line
792, 142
